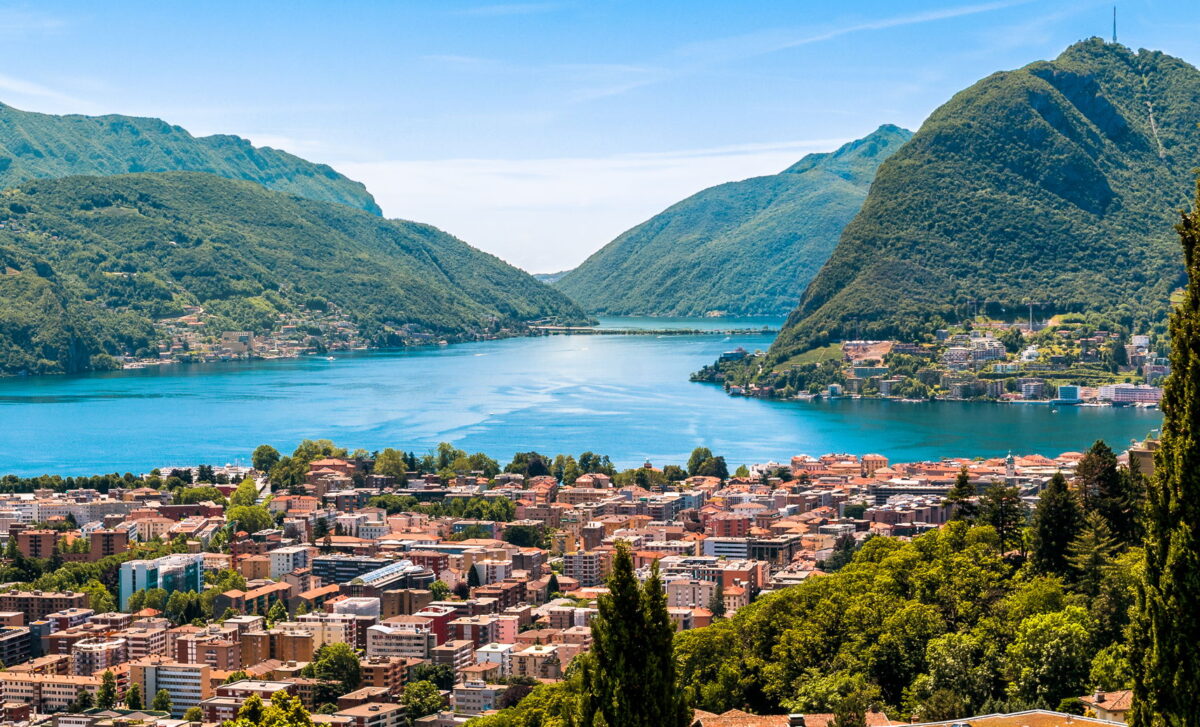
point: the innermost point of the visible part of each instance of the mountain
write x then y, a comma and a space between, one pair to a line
88, 265
550, 277
742, 248
1056, 183
34, 146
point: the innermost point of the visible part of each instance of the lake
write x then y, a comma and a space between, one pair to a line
625, 396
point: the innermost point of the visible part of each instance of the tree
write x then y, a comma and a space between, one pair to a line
440, 675
106, 695
133, 696
1055, 521
713, 467
245, 495
699, 456
83, 701
390, 463
473, 577
742, 471
252, 709
193, 714
1167, 662
1001, 507
1090, 554
162, 701
421, 698
250, 518
277, 613
1050, 658
264, 458
962, 495
716, 603
440, 590
629, 676
552, 586
336, 661
1097, 475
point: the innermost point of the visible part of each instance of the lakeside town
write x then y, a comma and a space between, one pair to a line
1065, 361
386, 589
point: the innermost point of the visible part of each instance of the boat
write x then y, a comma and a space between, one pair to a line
330, 358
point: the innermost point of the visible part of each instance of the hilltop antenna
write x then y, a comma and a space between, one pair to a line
1114, 24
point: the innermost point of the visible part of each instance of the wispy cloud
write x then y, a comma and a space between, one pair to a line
695, 57
503, 9
19, 20
549, 214
39, 95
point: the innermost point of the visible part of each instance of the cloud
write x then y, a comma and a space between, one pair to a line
546, 215
17, 20
39, 96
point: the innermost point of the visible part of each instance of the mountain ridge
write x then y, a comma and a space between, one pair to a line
34, 145
1054, 183
90, 264
739, 248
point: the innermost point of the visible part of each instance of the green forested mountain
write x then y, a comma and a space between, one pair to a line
742, 248
87, 263
33, 146
1054, 183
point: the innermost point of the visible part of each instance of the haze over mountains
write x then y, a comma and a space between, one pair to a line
742, 248
1056, 183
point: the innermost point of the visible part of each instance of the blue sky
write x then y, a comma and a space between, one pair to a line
540, 130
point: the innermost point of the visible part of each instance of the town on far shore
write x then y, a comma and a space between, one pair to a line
354, 581
1067, 360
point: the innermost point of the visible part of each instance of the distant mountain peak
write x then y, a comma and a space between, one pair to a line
884, 140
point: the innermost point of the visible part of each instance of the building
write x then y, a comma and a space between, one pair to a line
476, 697
15, 645
182, 572
374, 714
36, 605
96, 655
341, 568
1109, 705
188, 684
287, 559
45, 692
589, 568
411, 639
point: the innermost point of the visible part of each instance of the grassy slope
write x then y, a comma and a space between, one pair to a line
742, 248
90, 261
34, 146
1050, 182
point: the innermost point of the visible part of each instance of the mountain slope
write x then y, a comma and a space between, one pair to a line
87, 264
742, 248
1055, 183
34, 146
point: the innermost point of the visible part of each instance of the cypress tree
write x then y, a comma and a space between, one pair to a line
628, 678
960, 496
1055, 522
1097, 476
1166, 627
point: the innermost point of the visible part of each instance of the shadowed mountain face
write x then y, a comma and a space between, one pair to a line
87, 264
1056, 183
742, 248
34, 146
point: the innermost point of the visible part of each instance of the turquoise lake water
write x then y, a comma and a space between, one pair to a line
624, 396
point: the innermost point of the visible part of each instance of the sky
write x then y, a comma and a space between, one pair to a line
539, 131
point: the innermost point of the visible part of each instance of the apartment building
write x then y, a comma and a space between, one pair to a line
36, 605
188, 684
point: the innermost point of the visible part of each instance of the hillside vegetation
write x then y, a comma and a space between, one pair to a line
87, 264
742, 248
1055, 183
34, 146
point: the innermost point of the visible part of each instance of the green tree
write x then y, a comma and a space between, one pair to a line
440, 590
1055, 522
473, 577
277, 613
1001, 507
83, 701
162, 701
133, 696
264, 458
698, 457
193, 714
440, 675
962, 495
716, 603
552, 586
1097, 475
250, 518
252, 709
337, 662
421, 698
245, 495
1090, 554
106, 695
1050, 658
390, 463
629, 676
